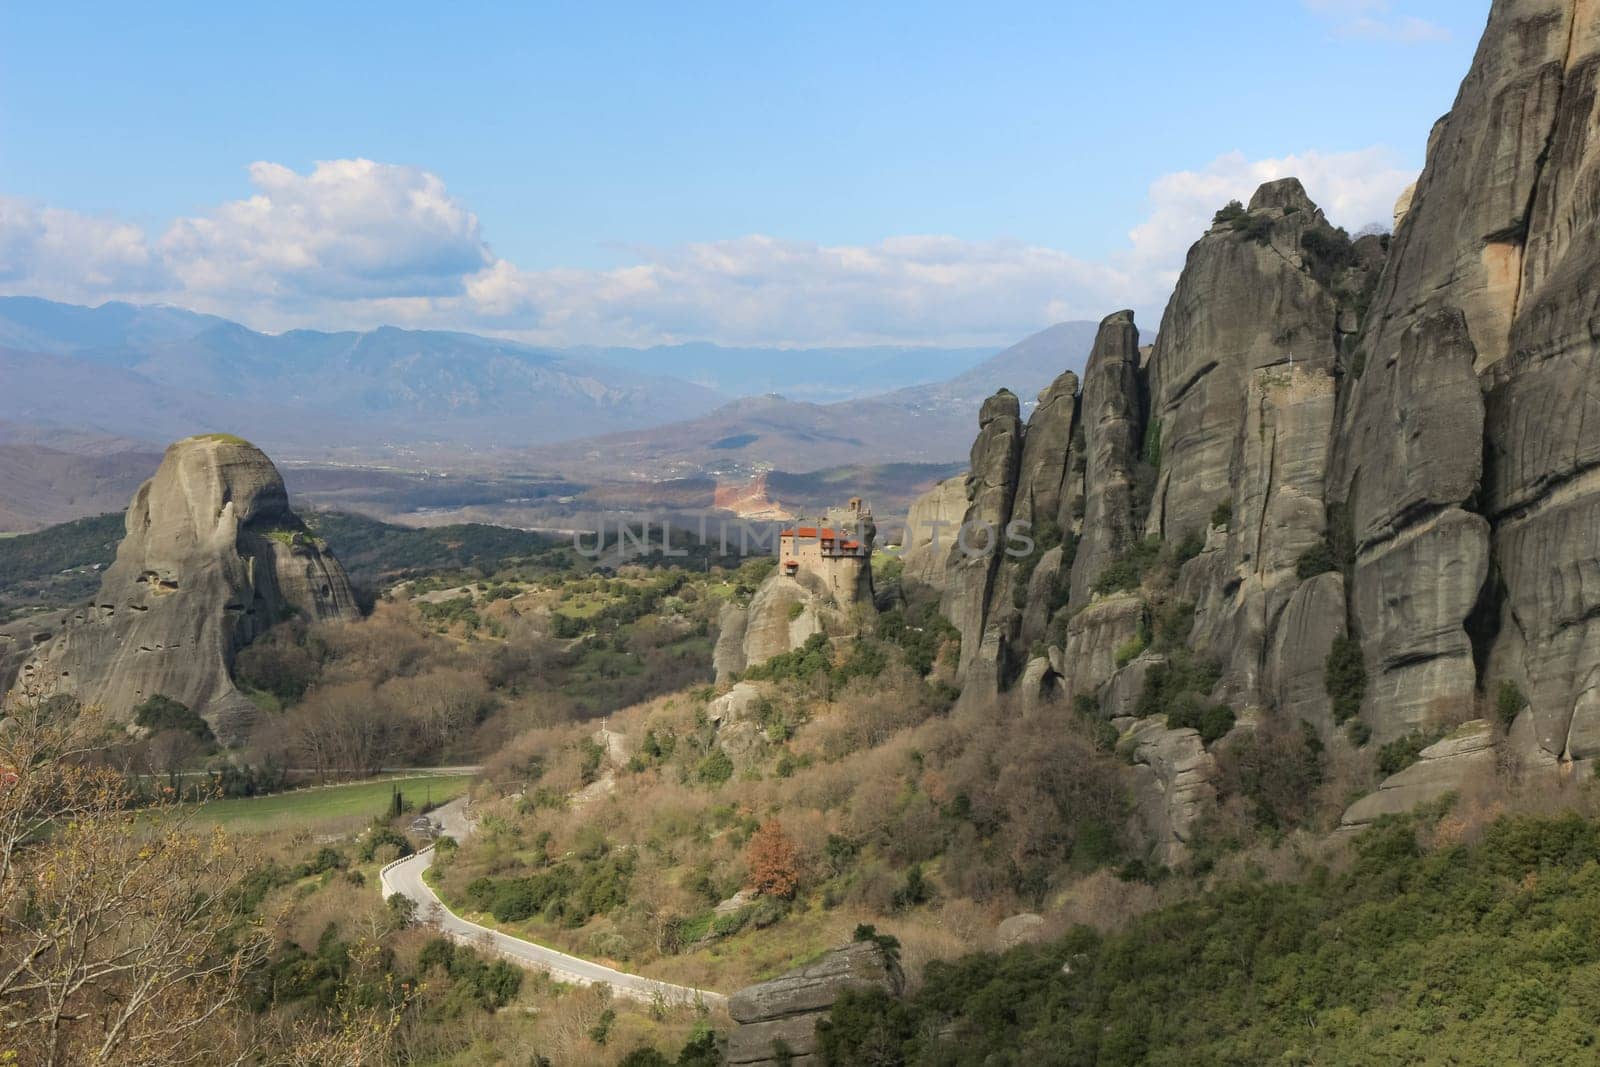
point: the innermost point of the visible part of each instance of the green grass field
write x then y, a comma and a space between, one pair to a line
324, 807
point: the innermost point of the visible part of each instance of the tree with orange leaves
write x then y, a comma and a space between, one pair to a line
774, 864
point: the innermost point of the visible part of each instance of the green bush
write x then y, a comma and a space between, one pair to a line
1257, 228
1402, 752
1278, 769
1129, 650
808, 661
590, 756
864, 1027
161, 713
380, 836
568, 893
1328, 252
867, 659
1152, 443
916, 889
919, 635
1193, 543
1465, 953
491, 984
1318, 559
600, 1032
1345, 677
1184, 676
1222, 514
1509, 702
1212, 721
1230, 214
715, 769
1128, 571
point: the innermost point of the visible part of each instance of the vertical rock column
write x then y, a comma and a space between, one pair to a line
1543, 410
1113, 421
1503, 176
969, 581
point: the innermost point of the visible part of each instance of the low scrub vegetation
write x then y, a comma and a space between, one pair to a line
1423, 947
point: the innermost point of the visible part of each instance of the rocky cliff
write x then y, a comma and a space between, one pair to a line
777, 1020
212, 558
1355, 483
821, 596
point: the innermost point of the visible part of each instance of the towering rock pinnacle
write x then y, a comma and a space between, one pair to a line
213, 557
975, 561
1468, 438
931, 527
1243, 395
1113, 425
1243, 303
1047, 454
1392, 440
1542, 417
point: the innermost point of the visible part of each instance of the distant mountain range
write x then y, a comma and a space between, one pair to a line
930, 423
157, 373
164, 373
819, 375
90, 396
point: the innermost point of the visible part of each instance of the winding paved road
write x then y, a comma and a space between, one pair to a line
404, 876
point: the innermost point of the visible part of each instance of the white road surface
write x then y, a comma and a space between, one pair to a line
405, 877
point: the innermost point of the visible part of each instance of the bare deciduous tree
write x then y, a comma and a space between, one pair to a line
120, 939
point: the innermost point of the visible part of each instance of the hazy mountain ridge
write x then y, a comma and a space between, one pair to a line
305, 391
930, 423
820, 375
180, 372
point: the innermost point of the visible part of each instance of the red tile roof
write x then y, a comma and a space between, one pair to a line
811, 533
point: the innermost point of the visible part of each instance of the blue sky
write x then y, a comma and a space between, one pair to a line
775, 173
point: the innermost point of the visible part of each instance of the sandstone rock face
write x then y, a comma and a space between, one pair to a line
1047, 455
213, 557
1176, 784
1112, 410
1241, 305
1277, 515
1311, 622
1412, 455
1023, 590
784, 1011
1489, 295
1120, 697
975, 560
1417, 413
736, 705
20, 638
782, 615
742, 743
1465, 757
1542, 486
931, 530
727, 658
1039, 687
1088, 657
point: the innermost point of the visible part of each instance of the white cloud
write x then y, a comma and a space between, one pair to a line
762, 289
356, 244
1353, 189
1375, 20
352, 228
71, 256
